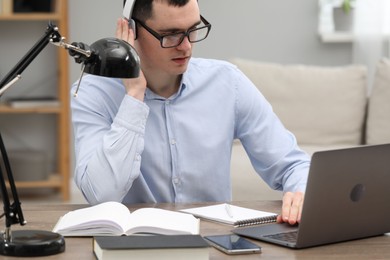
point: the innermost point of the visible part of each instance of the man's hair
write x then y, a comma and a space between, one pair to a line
143, 8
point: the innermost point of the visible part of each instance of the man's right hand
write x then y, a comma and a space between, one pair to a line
135, 87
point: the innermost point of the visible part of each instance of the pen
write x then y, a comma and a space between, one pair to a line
229, 210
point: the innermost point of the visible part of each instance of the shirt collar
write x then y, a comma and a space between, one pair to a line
150, 95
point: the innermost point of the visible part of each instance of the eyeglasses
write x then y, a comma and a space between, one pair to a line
175, 39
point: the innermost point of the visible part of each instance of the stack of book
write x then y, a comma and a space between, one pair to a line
159, 247
146, 233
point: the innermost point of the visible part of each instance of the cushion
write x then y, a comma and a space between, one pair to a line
320, 105
378, 116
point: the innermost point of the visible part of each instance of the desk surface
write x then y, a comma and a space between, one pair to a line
44, 217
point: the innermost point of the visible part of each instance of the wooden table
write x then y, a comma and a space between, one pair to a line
44, 217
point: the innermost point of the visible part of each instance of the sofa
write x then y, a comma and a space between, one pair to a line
324, 107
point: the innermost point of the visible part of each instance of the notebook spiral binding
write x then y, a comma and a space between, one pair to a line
255, 221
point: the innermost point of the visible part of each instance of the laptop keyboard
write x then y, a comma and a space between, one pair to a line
285, 236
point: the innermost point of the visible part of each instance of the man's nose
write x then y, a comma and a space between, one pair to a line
185, 44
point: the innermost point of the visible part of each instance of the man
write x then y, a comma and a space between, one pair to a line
167, 135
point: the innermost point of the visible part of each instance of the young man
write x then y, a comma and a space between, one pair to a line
167, 136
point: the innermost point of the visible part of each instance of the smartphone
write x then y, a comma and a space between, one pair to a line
233, 244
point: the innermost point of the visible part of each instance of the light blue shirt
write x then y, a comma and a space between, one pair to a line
178, 149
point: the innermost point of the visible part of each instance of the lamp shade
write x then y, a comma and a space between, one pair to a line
112, 57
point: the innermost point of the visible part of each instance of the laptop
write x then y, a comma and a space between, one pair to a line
347, 197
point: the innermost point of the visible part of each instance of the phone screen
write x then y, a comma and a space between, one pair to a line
233, 244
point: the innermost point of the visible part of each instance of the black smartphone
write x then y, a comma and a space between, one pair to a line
233, 244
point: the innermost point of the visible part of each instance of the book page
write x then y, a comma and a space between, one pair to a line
109, 217
154, 220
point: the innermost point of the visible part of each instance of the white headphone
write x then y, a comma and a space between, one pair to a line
128, 9
127, 13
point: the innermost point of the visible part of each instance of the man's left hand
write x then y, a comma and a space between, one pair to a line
291, 208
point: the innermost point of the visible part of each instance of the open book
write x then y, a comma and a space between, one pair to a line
115, 219
233, 215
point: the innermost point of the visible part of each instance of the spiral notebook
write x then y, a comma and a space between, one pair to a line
232, 215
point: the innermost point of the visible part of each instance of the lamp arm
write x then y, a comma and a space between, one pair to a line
79, 51
51, 33
13, 212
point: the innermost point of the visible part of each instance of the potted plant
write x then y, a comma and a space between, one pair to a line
347, 5
343, 15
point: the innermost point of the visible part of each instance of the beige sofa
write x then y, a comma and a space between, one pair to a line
325, 107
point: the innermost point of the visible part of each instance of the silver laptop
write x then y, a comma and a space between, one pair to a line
347, 197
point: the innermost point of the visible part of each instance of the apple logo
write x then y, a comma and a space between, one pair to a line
357, 192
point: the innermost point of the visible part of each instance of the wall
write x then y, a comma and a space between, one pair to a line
282, 31
91, 20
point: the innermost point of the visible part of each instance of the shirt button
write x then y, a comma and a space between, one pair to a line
173, 142
176, 180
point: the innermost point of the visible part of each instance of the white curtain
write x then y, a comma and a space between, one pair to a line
371, 33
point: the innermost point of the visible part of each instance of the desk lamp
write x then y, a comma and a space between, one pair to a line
109, 57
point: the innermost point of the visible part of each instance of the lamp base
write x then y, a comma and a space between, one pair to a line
32, 243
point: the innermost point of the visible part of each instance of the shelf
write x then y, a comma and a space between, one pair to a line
60, 179
5, 109
54, 181
337, 37
29, 17
342, 37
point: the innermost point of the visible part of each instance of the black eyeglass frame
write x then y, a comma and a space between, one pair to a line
184, 34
